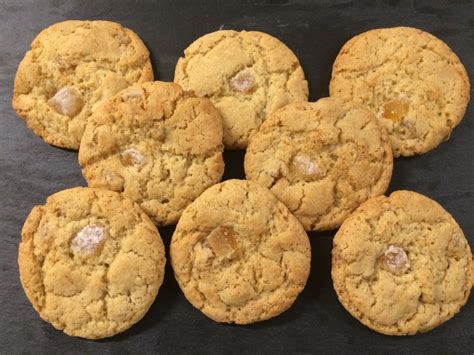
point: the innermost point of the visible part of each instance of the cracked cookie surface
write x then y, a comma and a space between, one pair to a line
72, 67
410, 79
91, 262
247, 75
322, 160
239, 255
157, 144
401, 264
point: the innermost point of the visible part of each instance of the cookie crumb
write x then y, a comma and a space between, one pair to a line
243, 82
132, 156
88, 239
304, 165
223, 243
202, 255
395, 260
67, 101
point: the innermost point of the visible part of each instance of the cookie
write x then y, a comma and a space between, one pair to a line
91, 262
239, 255
401, 264
72, 67
247, 75
157, 144
321, 159
410, 79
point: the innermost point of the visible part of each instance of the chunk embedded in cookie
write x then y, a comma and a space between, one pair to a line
395, 110
243, 81
133, 156
223, 243
88, 240
67, 101
304, 165
395, 260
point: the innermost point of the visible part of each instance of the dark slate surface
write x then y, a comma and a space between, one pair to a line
31, 170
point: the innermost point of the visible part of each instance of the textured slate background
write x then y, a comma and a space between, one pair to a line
31, 170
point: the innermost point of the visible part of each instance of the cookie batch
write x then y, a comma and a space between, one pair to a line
91, 259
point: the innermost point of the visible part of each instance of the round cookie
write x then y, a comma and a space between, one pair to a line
410, 79
91, 262
239, 255
322, 160
157, 144
401, 264
72, 67
247, 75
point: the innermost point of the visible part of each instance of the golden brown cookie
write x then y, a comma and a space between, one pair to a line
247, 75
72, 67
157, 144
321, 159
410, 79
91, 262
401, 264
239, 255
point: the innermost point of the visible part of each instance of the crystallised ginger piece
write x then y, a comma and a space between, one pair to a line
395, 260
133, 93
242, 82
67, 101
395, 110
304, 165
133, 156
223, 243
88, 239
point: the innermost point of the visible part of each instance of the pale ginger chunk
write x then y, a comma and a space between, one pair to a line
133, 93
133, 157
88, 240
223, 243
304, 165
67, 101
243, 82
395, 260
